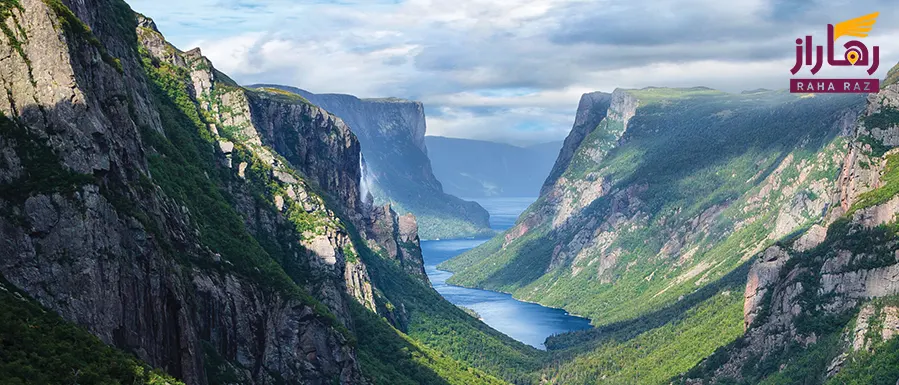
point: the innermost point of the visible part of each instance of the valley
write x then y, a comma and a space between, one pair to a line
529, 323
162, 223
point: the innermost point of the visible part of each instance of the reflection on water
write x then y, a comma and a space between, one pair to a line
526, 322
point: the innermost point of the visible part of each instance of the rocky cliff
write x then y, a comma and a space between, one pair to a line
217, 233
591, 110
821, 308
392, 134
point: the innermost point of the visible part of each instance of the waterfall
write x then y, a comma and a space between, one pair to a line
364, 183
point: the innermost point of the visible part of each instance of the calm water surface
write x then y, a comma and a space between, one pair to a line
526, 322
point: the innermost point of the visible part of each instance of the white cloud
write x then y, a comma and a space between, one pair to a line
508, 70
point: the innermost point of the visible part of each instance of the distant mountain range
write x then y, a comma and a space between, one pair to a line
476, 168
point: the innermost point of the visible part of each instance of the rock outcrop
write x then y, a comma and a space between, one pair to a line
802, 292
591, 110
392, 134
399, 235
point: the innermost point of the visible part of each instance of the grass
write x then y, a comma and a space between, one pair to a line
281, 95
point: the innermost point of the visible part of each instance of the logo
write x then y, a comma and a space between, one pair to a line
855, 54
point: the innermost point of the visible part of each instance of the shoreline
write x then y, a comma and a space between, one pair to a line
517, 299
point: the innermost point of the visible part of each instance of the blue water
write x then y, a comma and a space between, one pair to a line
526, 322
503, 211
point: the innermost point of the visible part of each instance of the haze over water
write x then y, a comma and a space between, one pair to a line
526, 322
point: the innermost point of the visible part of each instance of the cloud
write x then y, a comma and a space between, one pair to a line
508, 70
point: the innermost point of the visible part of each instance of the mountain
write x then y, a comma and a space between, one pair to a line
392, 134
647, 224
163, 224
475, 168
823, 306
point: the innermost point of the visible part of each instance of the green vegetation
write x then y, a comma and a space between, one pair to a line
439, 226
281, 95
888, 117
436, 219
440, 325
6, 12
39, 347
891, 78
655, 355
687, 154
403, 172
665, 95
877, 367
350, 254
660, 314
184, 165
796, 363
389, 357
693, 189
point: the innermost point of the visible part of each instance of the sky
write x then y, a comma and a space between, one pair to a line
511, 70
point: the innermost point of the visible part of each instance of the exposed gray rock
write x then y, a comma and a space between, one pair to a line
391, 132
592, 109
844, 279
762, 275
399, 235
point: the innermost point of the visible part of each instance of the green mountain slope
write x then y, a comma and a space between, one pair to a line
697, 183
822, 308
650, 227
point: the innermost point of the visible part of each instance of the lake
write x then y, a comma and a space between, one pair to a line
526, 322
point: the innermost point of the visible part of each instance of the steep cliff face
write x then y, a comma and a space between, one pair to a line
392, 134
591, 110
826, 301
218, 233
399, 235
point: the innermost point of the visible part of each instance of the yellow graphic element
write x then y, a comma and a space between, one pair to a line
852, 57
858, 27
